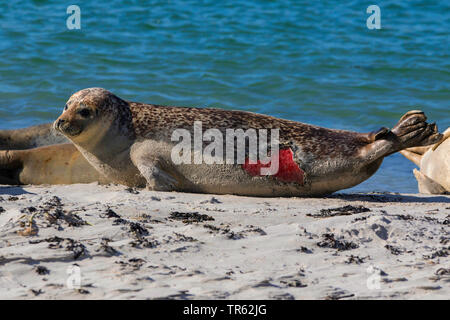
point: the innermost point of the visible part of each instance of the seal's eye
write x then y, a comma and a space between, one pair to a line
85, 112
66, 107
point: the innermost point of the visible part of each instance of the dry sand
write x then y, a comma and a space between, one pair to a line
130, 244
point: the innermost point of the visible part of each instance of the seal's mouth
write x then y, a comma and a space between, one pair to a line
66, 128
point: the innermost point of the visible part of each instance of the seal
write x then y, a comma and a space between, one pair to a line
131, 144
31, 137
434, 164
36, 164
56, 164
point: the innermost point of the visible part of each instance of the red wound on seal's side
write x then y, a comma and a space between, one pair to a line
288, 170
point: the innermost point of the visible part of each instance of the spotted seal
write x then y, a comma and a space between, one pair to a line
30, 137
434, 164
55, 164
38, 155
131, 144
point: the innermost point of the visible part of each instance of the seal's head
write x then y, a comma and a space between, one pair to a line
90, 113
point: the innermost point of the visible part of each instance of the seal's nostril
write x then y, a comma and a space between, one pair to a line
59, 122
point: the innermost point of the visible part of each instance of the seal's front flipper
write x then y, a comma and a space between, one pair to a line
413, 131
428, 185
156, 178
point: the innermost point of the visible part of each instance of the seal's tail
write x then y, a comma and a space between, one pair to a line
412, 130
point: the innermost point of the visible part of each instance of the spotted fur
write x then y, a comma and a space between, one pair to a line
130, 142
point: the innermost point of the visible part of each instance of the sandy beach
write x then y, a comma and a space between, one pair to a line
88, 241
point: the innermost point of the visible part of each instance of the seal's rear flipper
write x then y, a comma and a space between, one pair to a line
445, 137
413, 131
379, 134
428, 185
422, 150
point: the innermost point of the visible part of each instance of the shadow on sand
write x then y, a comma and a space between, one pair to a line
13, 191
391, 197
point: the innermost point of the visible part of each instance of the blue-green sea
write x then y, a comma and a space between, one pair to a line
310, 61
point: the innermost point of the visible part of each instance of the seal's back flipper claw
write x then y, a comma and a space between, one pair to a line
413, 131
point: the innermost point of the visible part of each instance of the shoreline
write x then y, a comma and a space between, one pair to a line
139, 244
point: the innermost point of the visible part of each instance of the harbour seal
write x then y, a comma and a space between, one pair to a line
56, 164
31, 137
434, 164
131, 143
38, 164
